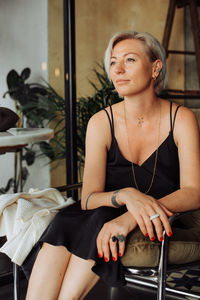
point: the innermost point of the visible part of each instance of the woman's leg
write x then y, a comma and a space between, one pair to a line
48, 273
79, 279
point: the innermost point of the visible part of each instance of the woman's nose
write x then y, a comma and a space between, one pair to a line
119, 68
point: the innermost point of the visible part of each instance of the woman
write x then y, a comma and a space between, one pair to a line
142, 165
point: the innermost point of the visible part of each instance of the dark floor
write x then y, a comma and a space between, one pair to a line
100, 292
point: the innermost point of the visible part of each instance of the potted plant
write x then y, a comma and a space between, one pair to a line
39, 105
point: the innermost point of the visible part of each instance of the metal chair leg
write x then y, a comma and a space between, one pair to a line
16, 282
162, 268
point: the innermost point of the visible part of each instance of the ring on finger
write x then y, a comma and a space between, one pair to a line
114, 239
154, 217
121, 238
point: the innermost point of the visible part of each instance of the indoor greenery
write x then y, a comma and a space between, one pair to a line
39, 105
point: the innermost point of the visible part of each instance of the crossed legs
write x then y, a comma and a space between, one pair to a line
59, 275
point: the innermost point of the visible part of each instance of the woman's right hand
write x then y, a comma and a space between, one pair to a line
142, 207
121, 225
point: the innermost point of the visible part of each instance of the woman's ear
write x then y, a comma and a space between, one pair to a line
156, 68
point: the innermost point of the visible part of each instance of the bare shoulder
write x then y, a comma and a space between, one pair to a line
185, 117
186, 125
98, 129
100, 119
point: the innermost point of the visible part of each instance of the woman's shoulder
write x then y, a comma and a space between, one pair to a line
102, 117
186, 124
183, 114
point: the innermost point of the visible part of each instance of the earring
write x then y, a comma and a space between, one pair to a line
154, 78
159, 70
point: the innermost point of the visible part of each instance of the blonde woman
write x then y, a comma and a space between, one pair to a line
142, 164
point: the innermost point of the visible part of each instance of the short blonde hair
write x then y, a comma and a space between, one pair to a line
154, 51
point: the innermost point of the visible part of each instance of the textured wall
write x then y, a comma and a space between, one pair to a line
96, 22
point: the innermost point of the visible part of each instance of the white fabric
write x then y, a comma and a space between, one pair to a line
25, 216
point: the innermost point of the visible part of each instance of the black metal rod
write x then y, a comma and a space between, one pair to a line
175, 96
70, 92
181, 52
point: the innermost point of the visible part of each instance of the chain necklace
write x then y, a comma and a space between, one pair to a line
156, 154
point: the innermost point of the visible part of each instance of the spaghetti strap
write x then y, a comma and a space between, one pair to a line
111, 112
110, 120
171, 126
175, 117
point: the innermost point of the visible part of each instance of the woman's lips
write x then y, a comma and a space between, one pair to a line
122, 81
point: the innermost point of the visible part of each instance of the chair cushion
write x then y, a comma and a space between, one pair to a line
184, 247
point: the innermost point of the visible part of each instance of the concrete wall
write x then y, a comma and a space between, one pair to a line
23, 43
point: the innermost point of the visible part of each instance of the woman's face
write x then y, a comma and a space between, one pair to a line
130, 68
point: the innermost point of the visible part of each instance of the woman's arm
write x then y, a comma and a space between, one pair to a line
186, 135
96, 145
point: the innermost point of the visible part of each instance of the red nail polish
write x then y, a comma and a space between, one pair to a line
146, 235
169, 233
161, 239
100, 256
120, 254
114, 259
153, 238
106, 259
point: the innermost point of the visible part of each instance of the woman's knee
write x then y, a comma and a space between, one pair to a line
54, 249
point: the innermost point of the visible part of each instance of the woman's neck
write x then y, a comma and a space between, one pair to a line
140, 107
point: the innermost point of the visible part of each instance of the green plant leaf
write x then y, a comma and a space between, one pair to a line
25, 74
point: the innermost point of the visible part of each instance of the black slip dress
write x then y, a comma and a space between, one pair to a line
77, 229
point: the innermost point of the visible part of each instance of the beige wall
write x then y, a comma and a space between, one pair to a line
96, 22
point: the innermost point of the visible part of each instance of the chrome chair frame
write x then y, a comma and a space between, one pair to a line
155, 278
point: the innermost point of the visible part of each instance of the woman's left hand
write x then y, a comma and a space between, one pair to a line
121, 226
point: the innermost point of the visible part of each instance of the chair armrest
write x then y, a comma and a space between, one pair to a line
69, 187
179, 215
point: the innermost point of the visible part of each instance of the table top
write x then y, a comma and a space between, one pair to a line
24, 136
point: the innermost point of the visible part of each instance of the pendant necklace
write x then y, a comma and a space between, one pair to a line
156, 152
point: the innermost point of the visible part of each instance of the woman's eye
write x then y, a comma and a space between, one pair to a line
112, 63
130, 59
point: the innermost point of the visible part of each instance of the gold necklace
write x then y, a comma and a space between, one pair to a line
156, 156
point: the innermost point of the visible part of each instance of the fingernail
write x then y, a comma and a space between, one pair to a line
114, 259
120, 254
170, 234
146, 234
153, 238
100, 256
161, 239
106, 259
